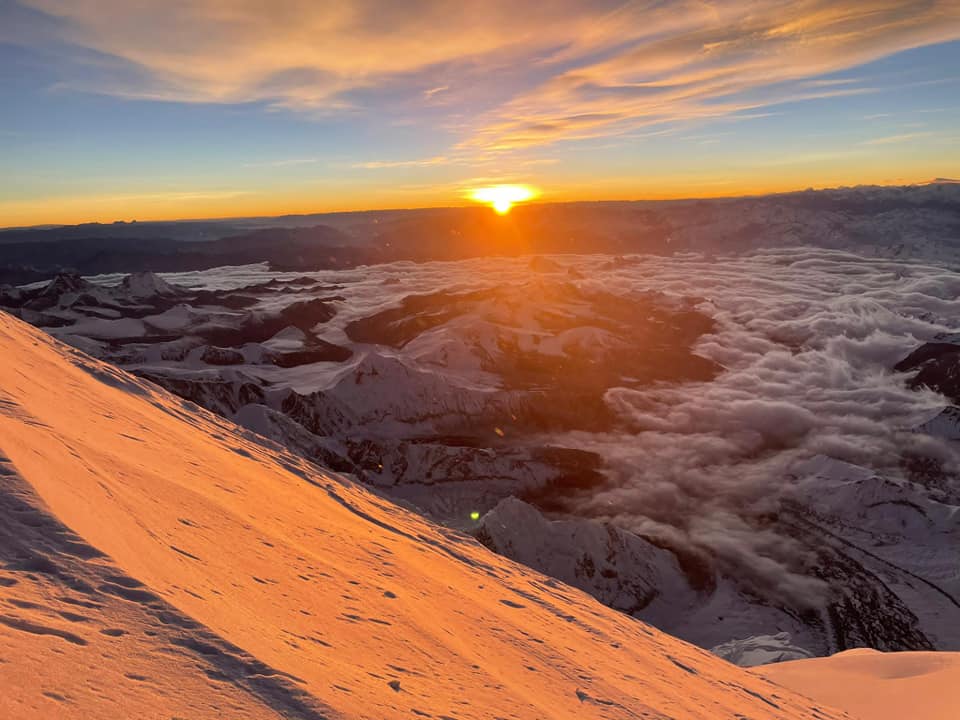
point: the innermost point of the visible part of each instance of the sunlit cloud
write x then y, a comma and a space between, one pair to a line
422, 162
293, 53
748, 56
890, 139
286, 162
460, 158
373, 103
577, 69
829, 82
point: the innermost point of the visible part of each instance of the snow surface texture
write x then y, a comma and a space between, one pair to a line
878, 686
789, 481
157, 561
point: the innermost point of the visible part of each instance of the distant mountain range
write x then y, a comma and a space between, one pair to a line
920, 221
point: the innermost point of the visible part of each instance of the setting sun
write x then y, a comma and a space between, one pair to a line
503, 197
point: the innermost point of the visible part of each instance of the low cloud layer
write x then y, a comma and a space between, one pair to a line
808, 339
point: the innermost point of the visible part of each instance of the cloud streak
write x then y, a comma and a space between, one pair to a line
891, 139
557, 71
740, 57
386, 164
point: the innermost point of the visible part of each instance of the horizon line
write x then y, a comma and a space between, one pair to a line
540, 203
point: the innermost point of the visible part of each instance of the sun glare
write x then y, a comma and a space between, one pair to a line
503, 197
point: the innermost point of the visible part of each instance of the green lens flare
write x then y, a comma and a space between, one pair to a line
474, 515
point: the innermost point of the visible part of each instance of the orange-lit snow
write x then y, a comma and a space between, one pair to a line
205, 575
871, 685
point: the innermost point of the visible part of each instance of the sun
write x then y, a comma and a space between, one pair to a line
503, 197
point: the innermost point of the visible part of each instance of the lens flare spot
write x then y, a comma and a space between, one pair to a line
474, 516
503, 197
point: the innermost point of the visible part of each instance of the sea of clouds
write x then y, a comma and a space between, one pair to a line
807, 339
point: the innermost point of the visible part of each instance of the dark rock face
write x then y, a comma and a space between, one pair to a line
938, 368
320, 351
221, 356
417, 314
256, 327
862, 611
64, 284
307, 313
866, 613
223, 397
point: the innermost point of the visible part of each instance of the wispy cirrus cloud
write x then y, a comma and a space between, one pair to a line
559, 71
434, 91
891, 139
475, 160
734, 59
286, 162
301, 54
419, 162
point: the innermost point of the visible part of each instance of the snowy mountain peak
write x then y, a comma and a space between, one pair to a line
146, 285
65, 283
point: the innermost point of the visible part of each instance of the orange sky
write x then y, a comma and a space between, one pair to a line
211, 108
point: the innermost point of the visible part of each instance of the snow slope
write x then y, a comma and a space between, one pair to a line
158, 562
878, 686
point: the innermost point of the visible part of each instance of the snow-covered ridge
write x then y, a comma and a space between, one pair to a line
160, 561
146, 285
878, 686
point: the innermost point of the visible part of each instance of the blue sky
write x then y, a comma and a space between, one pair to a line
214, 108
